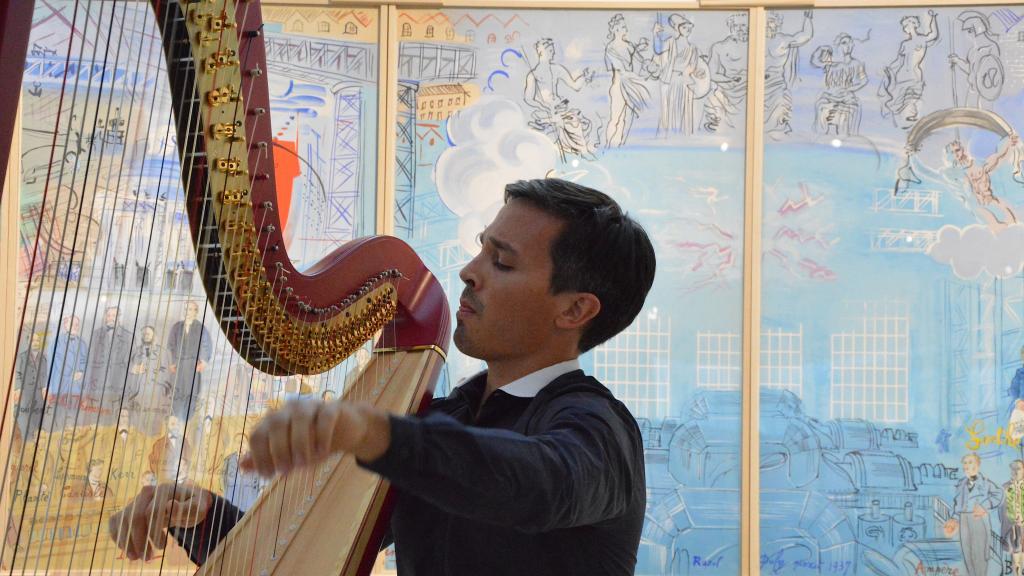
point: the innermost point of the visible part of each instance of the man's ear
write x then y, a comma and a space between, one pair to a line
577, 309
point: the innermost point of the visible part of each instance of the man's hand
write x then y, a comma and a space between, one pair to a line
306, 432
979, 512
142, 524
950, 527
1019, 404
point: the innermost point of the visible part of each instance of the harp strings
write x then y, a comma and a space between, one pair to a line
195, 461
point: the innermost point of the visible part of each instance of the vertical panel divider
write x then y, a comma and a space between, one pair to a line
750, 490
387, 117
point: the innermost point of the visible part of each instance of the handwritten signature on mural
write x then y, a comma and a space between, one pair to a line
701, 562
977, 437
943, 569
776, 563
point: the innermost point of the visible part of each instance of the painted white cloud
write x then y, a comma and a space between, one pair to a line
493, 147
976, 248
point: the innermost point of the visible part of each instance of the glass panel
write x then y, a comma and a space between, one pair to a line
123, 376
892, 327
650, 108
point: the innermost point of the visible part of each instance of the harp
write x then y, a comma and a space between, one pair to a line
279, 320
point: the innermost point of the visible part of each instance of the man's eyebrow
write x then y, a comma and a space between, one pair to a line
499, 244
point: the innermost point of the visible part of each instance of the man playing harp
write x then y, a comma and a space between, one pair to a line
530, 467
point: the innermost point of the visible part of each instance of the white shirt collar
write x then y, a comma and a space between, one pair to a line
528, 386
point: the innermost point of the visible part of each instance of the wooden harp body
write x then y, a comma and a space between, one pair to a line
280, 321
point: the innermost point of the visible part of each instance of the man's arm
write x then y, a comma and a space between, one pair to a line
805, 34
197, 518
992, 162
715, 65
205, 346
530, 93
201, 540
583, 469
579, 472
994, 497
576, 83
82, 357
821, 57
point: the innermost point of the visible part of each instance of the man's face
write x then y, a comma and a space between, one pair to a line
72, 325
191, 311
970, 466
174, 426
739, 30
95, 473
773, 27
507, 310
846, 46
36, 342
1017, 472
545, 52
959, 154
147, 335
110, 317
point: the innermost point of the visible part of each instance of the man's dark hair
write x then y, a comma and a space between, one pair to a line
600, 250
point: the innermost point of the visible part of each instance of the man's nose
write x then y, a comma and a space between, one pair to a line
468, 273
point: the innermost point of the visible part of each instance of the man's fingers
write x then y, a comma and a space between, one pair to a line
302, 432
349, 427
246, 463
326, 417
259, 452
191, 508
184, 513
280, 446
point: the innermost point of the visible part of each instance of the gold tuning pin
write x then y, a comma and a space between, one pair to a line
227, 131
220, 59
221, 23
230, 166
234, 197
223, 95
